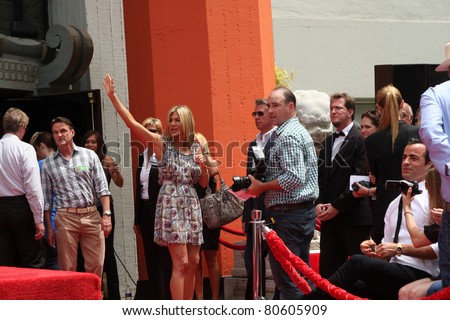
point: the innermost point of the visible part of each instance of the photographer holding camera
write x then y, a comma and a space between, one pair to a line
384, 268
256, 166
290, 187
345, 220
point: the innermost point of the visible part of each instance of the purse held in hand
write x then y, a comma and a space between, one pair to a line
221, 207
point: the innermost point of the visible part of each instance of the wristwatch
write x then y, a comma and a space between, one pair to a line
399, 249
107, 212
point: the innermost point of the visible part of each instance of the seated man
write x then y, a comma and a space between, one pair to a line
383, 269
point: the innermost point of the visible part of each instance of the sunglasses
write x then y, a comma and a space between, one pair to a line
153, 130
259, 114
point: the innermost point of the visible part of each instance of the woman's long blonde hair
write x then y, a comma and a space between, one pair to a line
390, 100
433, 185
187, 121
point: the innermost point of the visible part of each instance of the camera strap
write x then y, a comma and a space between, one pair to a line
399, 219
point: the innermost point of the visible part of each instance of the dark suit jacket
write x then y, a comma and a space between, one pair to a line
385, 164
153, 190
255, 203
334, 179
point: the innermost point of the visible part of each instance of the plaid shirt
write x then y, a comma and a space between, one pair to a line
293, 161
78, 182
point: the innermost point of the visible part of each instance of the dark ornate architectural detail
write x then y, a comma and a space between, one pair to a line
19, 63
74, 50
27, 66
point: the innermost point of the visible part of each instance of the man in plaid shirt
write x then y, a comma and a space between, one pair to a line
290, 187
76, 176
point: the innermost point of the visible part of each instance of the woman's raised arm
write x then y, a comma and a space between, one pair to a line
141, 133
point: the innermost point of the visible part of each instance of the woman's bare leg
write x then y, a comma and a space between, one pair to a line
179, 255
213, 271
193, 253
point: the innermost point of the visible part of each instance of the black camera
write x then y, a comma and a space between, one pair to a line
240, 183
403, 186
364, 183
258, 170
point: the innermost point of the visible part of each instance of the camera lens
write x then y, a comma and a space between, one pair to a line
246, 182
240, 183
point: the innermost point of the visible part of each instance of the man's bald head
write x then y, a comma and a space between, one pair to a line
406, 113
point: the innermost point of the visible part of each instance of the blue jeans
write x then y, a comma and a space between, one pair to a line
296, 229
444, 249
435, 287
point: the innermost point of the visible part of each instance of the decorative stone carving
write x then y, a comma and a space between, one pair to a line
74, 50
313, 111
27, 65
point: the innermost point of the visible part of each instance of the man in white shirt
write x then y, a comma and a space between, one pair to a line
21, 199
383, 269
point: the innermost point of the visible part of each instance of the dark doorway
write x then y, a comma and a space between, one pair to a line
82, 108
411, 79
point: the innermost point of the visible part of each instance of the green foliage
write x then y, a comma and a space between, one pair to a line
283, 77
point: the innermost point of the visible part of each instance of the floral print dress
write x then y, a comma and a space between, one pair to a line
178, 217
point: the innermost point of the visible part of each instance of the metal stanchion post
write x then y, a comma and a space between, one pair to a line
256, 258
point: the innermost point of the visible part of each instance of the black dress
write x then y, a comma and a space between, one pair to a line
157, 258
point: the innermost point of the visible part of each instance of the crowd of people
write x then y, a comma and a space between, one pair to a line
377, 242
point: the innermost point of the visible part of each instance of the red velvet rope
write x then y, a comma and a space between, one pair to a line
280, 251
443, 294
236, 232
231, 246
318, 224
291, 262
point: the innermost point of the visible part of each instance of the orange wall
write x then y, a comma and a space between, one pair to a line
216, 56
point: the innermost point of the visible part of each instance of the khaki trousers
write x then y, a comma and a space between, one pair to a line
84, 229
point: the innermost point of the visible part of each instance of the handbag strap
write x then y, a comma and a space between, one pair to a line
222, 183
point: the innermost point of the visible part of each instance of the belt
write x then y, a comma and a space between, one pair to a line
12, 198
292, 206
447, 207
80, 210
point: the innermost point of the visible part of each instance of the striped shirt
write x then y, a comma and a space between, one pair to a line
78, 182
293, 161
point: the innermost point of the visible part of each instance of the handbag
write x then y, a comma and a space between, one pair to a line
221, 207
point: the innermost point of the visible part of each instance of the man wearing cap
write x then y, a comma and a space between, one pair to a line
435, 133
77, 178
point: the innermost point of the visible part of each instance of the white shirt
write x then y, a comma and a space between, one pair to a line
145, 171
421, 210
339, 140
263, 138
19, 173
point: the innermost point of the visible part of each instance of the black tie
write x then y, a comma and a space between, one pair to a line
338, 134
